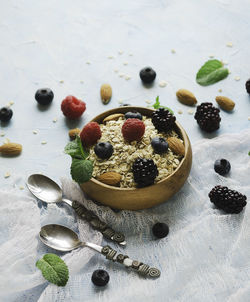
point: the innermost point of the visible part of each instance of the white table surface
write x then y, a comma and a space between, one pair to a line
45, 42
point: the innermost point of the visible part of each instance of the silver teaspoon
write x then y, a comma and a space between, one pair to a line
48, 191
64, 239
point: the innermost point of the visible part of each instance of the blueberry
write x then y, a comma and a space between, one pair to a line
160, 230
104, 150
159, 145
248, 86
5, 114
100, 277
44, 96
147, 75
222, 166
133, 114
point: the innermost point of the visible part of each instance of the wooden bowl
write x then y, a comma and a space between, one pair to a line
141, 198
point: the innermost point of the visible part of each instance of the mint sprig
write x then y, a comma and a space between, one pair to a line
53, 269
81, 168
211, 72
157, 105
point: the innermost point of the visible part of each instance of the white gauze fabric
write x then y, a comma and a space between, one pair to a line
205, 257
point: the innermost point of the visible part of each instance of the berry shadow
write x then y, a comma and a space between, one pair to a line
5, 124
71, 124
43, 107
148, 85
210, 135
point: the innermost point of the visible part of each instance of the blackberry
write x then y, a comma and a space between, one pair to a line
230, 201
144, 171
163, 120
208, 117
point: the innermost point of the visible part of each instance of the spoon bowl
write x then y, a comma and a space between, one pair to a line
44, 188
59, 237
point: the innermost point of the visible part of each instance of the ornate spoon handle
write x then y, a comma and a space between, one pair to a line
97, 224
111, 254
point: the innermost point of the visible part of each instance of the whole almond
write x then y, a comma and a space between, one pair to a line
11, 149
176, 145
186, 97
110, 178
225, 103
113, 117
73, 133
106, 93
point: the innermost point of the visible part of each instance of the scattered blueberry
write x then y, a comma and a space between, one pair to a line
147, 75
100, 277
133, 114
159, 144
248, 86
104, 150
5, 114
44, 96
222, 166
160, 230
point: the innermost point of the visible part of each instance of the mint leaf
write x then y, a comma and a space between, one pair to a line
157, 105
81, 170
75, 149
249, 153
211, 72
54, 269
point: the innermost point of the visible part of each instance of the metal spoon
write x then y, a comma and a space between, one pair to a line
48, 191
64, 239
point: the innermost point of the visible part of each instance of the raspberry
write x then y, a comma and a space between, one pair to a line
133, 129
72, 108
90, 134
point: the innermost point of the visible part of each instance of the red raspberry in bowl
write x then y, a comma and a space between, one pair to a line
90, 134
72, 107
133, 129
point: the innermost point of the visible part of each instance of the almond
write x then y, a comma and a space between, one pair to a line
176, 145
73, 133
11, 149
110, 178
186, 97
113, 117
225, 103
106, 93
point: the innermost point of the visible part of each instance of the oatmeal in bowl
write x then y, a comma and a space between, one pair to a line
140, 157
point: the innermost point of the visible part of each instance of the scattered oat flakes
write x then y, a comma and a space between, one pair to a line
229, 44
180, 111
120, 101
190, 111
81, 82
127, 77
120, 52
7, 174
163, 84
125, 63
148, 101
237, 78
34, 131
2, 134
61, 81
110, 57
43, 142
54, 120
121, 75
21, 187
225, 62
249, 118
116, 70
211, 56
88, 62
173, 51
220, 90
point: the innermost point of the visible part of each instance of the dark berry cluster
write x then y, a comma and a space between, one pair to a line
145, 171
208, 117
163, 120
230, 201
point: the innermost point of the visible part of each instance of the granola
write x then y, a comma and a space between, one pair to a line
125, 153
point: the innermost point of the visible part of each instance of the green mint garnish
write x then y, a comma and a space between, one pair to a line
211, 72
75, 149
249, 153
81, 167
81, 170
157, 105
54, 269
